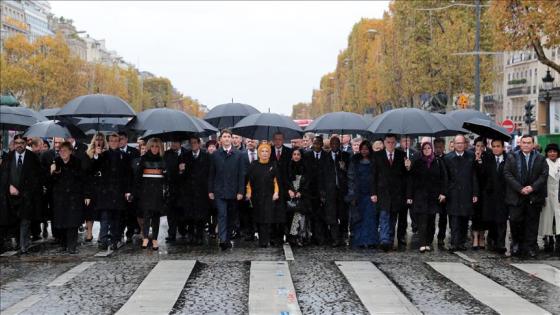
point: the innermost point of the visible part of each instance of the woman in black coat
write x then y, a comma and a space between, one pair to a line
68, 196
426, 191
263, 191
150, 188
299, 203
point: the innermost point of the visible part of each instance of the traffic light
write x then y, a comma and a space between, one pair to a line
529, 118
463, 101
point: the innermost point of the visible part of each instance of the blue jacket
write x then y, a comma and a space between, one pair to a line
227, 174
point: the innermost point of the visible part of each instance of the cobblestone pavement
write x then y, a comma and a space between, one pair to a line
220, 281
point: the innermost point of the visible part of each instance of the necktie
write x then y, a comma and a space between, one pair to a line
278, 154
316, 156
19, 162
497, 163
391, 159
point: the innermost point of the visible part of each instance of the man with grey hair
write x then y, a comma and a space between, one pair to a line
356, 145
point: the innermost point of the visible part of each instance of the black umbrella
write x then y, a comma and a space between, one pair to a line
339, 122
462, 115
50, 113
407, 121
453, 128
112, 124
487, 128
53, 128
18, 118
263, 126
97, 105
161, 121
227, 115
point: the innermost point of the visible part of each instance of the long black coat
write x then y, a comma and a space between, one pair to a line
426, 184
261, 179
315, 172
196, 177
493, 188
334, 169
68, 193
150, 190
177, 185
389, 181
462, 183
7, 216
515, 182
227, 174
29, 202
113, 173
300, 169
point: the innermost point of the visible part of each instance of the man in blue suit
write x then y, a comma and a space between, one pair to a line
226, 184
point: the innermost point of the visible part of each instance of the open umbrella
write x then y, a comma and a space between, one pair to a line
462, 115
453, 127
50, 113
263, 126
487, 128
227, 115
113, 124
18, 118
160, 121
339, 122
407, 121
97, 105
53, 128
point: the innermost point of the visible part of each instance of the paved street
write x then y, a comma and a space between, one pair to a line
181, 279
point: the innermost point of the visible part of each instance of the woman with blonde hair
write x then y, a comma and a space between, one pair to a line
97, 145
150, 185
263, 192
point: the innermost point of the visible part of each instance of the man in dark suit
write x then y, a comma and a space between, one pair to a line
248, 226
462, 191
226, 184
282, 155
128, 221
492, 193
23, 178
315, 160
175, 158
335, 187
389, 192
525, 173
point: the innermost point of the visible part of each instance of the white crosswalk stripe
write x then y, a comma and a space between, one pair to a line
378, 294
542, 271
271, 290
22, 305
70, 274
160, 289
499, 298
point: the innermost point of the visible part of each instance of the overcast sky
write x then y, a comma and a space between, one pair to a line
266, 54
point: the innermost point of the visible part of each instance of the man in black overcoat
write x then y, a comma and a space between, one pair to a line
129, 221
462, 191
282, 155
525, 173
315, 160
175, 160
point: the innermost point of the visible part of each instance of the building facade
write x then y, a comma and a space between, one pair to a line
12, 20
37, 17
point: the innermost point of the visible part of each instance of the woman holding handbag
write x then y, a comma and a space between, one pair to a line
298, 190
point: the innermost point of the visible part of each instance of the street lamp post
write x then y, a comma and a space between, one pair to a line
548, 80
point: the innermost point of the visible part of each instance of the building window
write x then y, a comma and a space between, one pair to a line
534, 89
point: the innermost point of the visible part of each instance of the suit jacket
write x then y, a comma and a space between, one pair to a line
389, 181
536, 178
114, 180
493, 188
132, 152
176, 184
227, 174
282, 167
462, 183
315, 172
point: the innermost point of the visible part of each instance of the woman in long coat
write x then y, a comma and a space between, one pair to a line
263, 191
91, 212
426, 190
150, 188
299, 203
363, 215
551, 209
68, 196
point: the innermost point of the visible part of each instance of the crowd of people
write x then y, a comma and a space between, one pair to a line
337, 191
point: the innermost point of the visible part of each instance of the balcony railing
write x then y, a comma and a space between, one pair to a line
519, 90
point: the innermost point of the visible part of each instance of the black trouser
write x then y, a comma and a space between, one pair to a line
442, 223
110, 223
402, 224
426, 225
524, 223
151, 219
70, 240
24, 226
173, 218
318, 225
342, 215
264, 233
246, 219
459, 227
129, 222
35, 228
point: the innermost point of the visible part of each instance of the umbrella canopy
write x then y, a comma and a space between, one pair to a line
462, 115
227, 115
49, 112
453, 127
8, 100
407, 121
263, 126
339, 122
112, 124
487, 128
97, 105
18, 118
166, 121
53, 128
